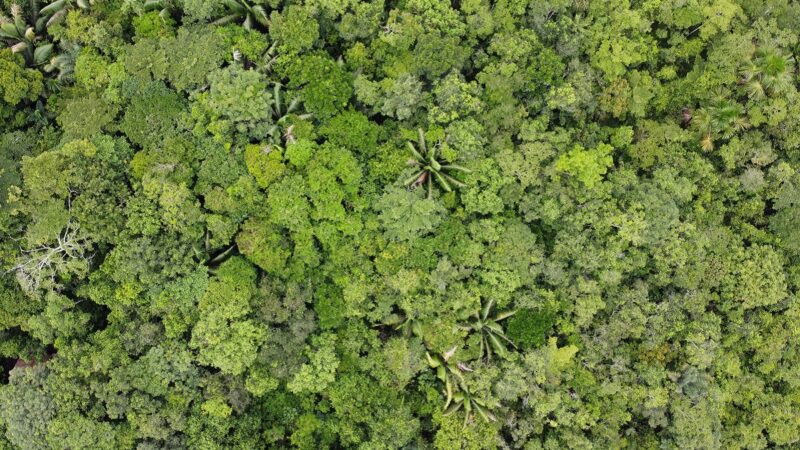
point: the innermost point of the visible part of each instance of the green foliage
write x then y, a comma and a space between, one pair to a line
406, 215
197, 10
86, 117
322, 83
320, 371
758, 279
299, 153
783, 222
352, 130
27, 408
587, 166
529, 327
152, 114
265, 163
17, 83
191, 56
214, 232
293, 29
82, 179
185, 60
75, 431
265, 247
223, 335
237, 102
153, 25
333, 178
399, 98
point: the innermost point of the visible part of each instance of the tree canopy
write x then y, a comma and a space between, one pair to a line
475, 224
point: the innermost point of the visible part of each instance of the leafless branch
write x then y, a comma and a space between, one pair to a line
35, 265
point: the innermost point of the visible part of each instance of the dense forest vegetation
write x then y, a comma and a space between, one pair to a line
399, 224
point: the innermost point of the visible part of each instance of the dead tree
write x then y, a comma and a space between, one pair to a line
45, 262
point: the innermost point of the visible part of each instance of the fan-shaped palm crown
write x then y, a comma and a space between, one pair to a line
431, 166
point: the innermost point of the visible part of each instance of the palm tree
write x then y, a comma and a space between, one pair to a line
165, 8
493, 338
430, 166
463, 399
723, 118
767, 72
23, 39
270, 58
281, 114
57, 10
448, 372
456, 391
63, 64
250, 14
409, 325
